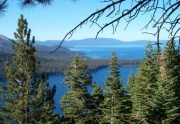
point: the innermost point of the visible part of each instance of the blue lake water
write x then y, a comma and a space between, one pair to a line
123, 51
98, 77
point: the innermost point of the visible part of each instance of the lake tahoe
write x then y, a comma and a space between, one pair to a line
90, 62
99, 76
122, 51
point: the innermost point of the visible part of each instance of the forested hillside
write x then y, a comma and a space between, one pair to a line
29, 96
58, 61
150, 97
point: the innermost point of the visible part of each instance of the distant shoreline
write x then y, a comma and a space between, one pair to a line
91, 71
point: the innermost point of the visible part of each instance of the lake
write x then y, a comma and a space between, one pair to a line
99, 76
123, 51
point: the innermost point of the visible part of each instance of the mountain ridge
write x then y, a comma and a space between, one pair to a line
6, 46
95, 42
4, 41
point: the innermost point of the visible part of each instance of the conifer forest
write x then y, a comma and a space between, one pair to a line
151, 96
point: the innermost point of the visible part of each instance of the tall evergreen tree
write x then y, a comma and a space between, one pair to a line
116, 106
76, 103
143, 87
172, 67
130, 83
27, 96
172, 70
96, 109
165, 104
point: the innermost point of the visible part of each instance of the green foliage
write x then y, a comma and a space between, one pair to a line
58, 61
96, 109
130, 83
172, 66
151, 96
142, 87
165, 104
26, 95
116, 106
76, 102
154, 89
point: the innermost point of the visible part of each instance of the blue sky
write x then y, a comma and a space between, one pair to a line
53, 22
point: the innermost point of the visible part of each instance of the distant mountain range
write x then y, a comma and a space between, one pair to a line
95, 42
6, 46
4, 41
58, 61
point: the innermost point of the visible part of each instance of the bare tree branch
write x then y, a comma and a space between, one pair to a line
162, 16
92, 18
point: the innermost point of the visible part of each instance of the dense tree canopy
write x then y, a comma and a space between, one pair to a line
154, 90
142, 87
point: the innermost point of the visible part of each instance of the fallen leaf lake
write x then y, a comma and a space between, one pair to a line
99, 76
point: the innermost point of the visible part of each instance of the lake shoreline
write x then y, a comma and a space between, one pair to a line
98, 77
91, 71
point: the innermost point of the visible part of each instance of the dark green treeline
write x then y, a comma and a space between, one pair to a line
155, 89
57, 62
150, 97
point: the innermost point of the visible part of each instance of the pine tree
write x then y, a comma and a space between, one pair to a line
26, 95
76, 103
165, 104
96, 110
143, 87
172, 70
115, 107
130, 92
43, 103
130, 83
